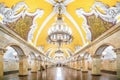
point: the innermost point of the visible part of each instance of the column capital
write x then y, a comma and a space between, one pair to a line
3, 50
23, 57
117, 50
84, 58
96, 56
35, 59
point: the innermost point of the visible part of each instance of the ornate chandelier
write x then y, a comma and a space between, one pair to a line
59, 33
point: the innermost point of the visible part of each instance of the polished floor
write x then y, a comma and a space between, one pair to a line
60, 73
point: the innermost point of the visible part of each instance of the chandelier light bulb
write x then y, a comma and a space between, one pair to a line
59, 32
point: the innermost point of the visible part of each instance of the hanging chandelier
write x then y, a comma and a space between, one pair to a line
59, 33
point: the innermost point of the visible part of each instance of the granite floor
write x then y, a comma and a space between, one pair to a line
60, 73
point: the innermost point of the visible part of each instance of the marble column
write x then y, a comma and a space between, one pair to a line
96, 64
84, 65
2, 51
34, 65
75, 64
78, 65
39, 65
71, 64
117, 51
23, 65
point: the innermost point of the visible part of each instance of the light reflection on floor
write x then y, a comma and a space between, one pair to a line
59, 74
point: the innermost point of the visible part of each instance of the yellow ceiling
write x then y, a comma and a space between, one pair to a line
48, 8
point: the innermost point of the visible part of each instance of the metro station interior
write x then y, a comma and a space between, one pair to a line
59, 39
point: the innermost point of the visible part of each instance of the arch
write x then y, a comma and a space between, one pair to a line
86, 54
67, 50
13, 57
101, 48
78, 58
48, 52
106, 56
17, 48
39, 58
32, 55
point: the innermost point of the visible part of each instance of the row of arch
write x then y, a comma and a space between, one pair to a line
21, 52
99, 51
14, 58
104, 58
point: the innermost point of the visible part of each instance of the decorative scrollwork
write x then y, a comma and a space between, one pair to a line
11, 15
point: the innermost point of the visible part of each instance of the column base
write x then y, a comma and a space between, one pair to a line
22, 75
96, 74
34, 72
84, 71
78, 69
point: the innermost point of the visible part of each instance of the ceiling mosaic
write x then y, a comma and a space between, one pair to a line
87, 19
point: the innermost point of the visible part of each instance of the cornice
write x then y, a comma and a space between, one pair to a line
9, 32
108, 33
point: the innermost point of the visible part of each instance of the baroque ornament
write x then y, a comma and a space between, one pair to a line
59, 33
10, 15
111, 14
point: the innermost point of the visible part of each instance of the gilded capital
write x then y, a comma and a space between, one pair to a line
96, 56
84, 58
2, 50
35, 59
23, 57
117, 50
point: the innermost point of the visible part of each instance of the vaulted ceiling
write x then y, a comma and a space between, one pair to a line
73, 16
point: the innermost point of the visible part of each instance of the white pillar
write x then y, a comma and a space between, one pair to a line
78, 65
34, 65
23, 66
118, 61
39, 65
2, 51
96, 64
84, 65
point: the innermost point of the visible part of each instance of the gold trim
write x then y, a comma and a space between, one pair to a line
117, 50
3, 50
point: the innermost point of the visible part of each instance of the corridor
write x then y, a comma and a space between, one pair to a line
84, 36
60, 73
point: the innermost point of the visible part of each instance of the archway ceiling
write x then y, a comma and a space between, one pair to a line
48, 8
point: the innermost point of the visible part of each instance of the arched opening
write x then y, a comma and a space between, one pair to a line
85, 55
79, 62
108, 58
33, 62
89, 62
31, 58
40, 67
12, 58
